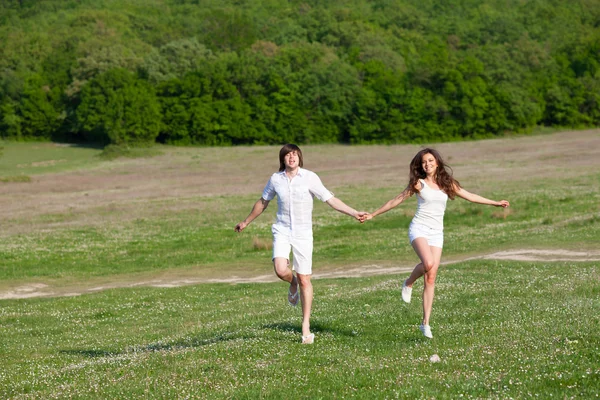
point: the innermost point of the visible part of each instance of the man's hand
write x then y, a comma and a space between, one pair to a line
241, 226
365, 217
360, 215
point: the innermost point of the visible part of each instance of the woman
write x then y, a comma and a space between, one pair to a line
295, 188
432, 181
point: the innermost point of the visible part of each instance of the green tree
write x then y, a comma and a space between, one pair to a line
174, 60
10, 121
206, 108
228, 29
117, 107
39, 111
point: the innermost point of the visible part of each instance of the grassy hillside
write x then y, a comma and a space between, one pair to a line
83, 220
108, 243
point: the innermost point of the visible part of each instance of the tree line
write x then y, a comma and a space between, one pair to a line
229, 72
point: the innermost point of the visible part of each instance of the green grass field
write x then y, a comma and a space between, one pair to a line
503, 329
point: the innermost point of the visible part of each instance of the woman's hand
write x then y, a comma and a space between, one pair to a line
360, 215
365, 217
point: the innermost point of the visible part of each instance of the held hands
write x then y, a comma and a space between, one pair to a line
360, 215
365, 217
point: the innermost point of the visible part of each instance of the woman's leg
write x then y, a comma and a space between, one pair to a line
430, 261
416, 273
423, 251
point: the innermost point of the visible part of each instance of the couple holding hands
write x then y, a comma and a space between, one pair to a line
429, 179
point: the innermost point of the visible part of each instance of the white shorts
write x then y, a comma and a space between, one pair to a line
301, 248
435, 237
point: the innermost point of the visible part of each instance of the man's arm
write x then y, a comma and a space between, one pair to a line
342, 207
259, 207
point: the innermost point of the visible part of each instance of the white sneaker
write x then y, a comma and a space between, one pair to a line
309, 339
406, 292
426, 331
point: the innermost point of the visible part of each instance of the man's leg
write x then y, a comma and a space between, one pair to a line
306, 296
283, 272
302, 251
281, 264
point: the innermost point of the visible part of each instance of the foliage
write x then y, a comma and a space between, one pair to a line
119, 108
310, 72
39, 109
174, 60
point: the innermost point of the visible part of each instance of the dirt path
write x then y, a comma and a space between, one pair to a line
44, 290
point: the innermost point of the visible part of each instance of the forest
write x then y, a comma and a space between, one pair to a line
233, 72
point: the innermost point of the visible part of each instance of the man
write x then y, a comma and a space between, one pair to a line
295, 188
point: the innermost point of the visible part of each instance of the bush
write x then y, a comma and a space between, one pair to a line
118, 108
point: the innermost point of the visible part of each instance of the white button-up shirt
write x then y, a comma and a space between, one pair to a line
295, 200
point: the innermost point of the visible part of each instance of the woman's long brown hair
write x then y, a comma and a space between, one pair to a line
443, 177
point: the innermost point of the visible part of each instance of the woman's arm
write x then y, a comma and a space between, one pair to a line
475, 198
395, 202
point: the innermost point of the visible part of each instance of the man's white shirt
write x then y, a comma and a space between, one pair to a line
295, 200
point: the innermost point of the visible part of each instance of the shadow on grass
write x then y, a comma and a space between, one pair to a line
162, 346
197, 342
284, 327
315, 327
89, 353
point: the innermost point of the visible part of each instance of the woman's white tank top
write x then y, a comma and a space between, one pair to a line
431, 207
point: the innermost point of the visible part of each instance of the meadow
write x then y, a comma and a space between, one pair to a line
98, 256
